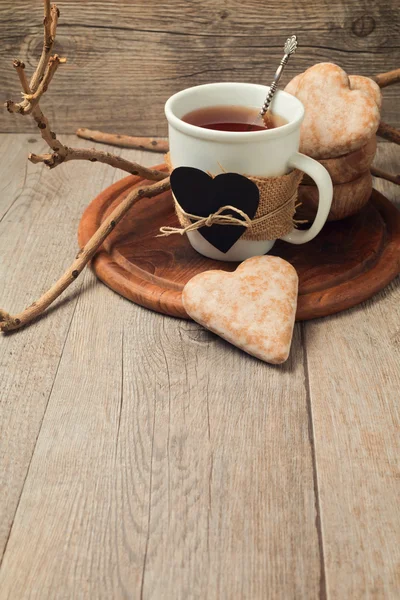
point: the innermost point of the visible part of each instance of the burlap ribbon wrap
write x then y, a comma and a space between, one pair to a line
275, 214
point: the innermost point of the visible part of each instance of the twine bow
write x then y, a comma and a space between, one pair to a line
218, 218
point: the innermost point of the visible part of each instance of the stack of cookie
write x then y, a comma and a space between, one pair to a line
342, 115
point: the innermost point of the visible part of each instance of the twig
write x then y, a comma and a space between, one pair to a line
123, 141
20, 68
30, 105
13, 107
54, 14
61, 153
49, 136
52, 66
40, 158
388, 132
48, 41
9, 322
389, 78
55, 159
114, 161
383, 175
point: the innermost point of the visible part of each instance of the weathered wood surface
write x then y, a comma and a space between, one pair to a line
354, 377
141, 456
39, 213
126, 58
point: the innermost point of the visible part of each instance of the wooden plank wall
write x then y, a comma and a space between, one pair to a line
125, 58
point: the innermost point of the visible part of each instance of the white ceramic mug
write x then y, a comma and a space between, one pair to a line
268, 153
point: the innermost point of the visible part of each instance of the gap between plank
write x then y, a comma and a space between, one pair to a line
149, 512
18, 196
218, 35
121, 401
322, 577
40, 426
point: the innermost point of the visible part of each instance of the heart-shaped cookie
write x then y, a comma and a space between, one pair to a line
341, 112
253, 308
199, 194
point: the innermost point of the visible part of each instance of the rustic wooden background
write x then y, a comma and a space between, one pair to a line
143, 457
125, 58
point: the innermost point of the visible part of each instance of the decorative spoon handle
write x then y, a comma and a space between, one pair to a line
289, 48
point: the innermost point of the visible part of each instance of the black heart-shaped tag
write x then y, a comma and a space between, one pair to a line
199, 194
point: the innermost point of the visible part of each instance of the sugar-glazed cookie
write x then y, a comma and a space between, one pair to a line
341, 112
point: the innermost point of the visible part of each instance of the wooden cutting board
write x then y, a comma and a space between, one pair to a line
348, 262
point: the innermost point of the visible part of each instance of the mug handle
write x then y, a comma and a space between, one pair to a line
324, 183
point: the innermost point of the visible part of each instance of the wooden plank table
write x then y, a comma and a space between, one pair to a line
143, 457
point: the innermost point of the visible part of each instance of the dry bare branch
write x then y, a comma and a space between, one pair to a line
93, 155
20, 68
33, 92
48, 42
10, 322
123, 141
30, 105
33, 98
388, 132
388, 78
54, 15
384, 175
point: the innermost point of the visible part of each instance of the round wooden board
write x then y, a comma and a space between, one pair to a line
347, 263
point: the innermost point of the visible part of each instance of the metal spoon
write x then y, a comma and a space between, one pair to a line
289, 48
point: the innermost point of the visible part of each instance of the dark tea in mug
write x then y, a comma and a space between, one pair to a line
232, 118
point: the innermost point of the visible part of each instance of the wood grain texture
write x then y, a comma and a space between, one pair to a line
38, 218
168, 463
126, 58
16, 172
163, 462
353, 364
156, 477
